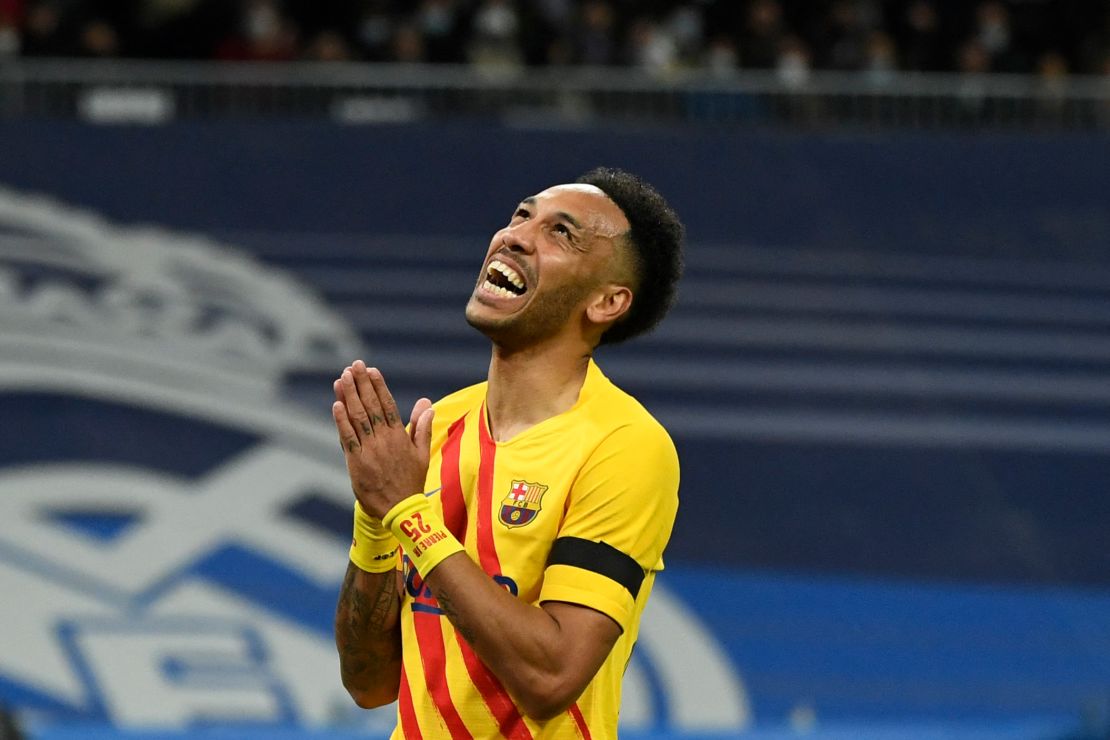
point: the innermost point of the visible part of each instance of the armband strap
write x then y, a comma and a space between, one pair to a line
422, 533
373, 547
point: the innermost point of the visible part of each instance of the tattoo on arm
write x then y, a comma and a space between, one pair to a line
365, 631
449, 611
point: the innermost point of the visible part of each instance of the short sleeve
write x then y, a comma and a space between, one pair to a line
619, 517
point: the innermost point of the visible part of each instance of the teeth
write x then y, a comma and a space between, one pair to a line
510, 274
498, 290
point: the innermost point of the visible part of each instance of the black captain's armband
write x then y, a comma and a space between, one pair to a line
600, 558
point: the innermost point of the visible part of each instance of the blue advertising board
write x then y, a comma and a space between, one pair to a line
885, 377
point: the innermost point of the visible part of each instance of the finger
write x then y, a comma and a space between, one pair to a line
337, 386
419, 408
422, 435
356, 412
367, 393
348, 439
389, 406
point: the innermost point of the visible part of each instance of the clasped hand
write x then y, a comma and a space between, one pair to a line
386, 462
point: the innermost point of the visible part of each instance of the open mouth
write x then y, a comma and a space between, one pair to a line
502, 280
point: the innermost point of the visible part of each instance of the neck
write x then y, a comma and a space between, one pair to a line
530, 385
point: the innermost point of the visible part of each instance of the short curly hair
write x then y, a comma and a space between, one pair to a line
656, 236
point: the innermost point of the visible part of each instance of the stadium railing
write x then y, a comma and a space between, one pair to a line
135, 91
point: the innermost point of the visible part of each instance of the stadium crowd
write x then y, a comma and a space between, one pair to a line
1047, 37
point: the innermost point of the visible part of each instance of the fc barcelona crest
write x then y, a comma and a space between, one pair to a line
522, 504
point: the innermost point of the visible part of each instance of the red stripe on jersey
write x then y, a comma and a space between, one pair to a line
410, 728
487, 550
501, 706
583, 728
451, 497
429, 640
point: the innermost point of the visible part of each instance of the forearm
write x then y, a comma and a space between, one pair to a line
525, 646
368, 636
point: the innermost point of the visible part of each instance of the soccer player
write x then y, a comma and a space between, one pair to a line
506, 542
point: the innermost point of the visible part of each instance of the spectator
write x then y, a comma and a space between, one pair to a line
921, 39
43, 30
922, 35
994, 33
374, 30
686, 27
974, 58
596, 44
1052, 68
98, 38
557, 14
408, 45
264, 34
11, 16
760, 45
651, 48
12, 10
1052, 84
166, 28
9, 37
1091, 41
328, 46
793, 64
496, 36
442, 25
723, 58
880, 62
845, 44
974, 63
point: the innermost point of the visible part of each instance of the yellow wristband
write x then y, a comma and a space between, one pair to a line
373, 547
422, 533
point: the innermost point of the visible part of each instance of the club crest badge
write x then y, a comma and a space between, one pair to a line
522, 503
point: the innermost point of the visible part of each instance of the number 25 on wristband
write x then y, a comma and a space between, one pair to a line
414, 526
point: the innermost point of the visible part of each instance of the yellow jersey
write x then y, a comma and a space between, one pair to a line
577, 509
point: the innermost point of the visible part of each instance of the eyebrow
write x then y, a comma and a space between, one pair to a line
531, 201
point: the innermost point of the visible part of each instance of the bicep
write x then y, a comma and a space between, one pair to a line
586, 637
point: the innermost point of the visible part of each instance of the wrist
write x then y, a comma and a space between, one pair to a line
373, 547
421, 532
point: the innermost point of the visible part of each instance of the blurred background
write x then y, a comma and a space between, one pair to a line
887, 373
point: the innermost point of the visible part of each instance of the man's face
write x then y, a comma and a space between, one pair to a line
543, 268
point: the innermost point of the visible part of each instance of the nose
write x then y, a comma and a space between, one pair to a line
518, 238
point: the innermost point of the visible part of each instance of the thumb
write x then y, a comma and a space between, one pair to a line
422, 435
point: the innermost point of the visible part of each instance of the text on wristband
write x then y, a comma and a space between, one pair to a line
414, 526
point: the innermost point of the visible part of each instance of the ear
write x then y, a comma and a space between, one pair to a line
609, 304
